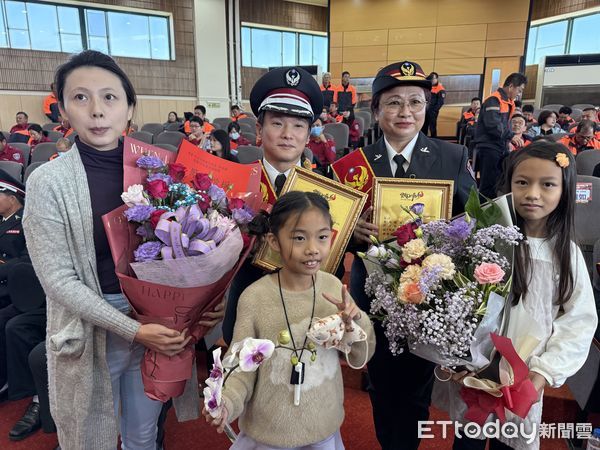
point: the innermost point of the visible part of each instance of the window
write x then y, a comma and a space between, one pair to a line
57, 28
572, 36
265, 47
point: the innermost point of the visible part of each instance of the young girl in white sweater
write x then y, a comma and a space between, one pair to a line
551, 286
287, 302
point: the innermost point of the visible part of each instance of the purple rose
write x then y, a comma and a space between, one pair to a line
242, 216
149, 163
216, 193
139, 213
160, 176
460, 229
148, 251
417, 208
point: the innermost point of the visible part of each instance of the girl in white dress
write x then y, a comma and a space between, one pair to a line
551, 286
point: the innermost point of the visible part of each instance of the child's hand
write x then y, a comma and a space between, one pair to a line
219, 422
346, 307
539, 382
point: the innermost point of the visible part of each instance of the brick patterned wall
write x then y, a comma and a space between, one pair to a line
30, 70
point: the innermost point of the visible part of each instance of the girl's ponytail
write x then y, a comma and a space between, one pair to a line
259, 226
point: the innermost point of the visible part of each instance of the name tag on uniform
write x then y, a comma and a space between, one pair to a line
13, 232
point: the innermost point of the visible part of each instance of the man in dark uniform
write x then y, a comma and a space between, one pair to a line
493, 132
286, 102
20, 330
401, 385
345, 94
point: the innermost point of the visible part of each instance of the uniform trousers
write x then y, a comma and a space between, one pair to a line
489, 162
39, 369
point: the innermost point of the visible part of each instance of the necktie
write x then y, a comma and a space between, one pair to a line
400, 160
279, 182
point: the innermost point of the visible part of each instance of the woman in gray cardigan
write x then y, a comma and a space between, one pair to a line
94, 347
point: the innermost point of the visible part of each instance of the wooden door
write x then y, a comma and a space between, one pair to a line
496, 71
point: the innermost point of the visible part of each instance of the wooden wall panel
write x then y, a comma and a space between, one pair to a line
361, 38
412, 35
505, 47
459, 66
376, 14
369, 53
461, 33
451, 12
411, 52
460, 49
512, 30
284, 14
361, 69
336, 39
151, 77
532, 73
549, 8
336, 54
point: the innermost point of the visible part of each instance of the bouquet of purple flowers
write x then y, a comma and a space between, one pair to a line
441, 287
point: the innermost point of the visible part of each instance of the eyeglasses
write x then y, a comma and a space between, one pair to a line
395, 106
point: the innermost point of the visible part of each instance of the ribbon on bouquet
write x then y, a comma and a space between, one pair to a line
333, 332
186, 232
484, 396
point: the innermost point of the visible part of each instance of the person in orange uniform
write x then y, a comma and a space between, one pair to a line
235, 136
327, 89
51, 105
199, 111
345, 94
518, 124
333, 115
197, 135
237, 113
64, 128
589, 114
528, 111
22, 124
438, 95
9, 153
583, 139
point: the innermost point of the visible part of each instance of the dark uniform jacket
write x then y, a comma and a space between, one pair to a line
12, 247
431, 159
493, 126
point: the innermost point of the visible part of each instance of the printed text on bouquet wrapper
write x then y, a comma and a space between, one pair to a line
163, 294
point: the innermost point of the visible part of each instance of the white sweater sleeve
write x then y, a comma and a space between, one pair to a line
569, 344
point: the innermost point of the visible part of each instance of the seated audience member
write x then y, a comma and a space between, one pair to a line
469, 117
235, 137
583, 138
196, 134
9, 153
37, 135
219, 145
546, 124
333, 115
323, 149
171, 118
518, 127
237, 113
589, 114
22, 124
63, 145
200, 111
528, 111
64, 128
51, 105
564, 118
353, 127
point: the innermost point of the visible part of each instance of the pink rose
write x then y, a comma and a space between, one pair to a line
489, 273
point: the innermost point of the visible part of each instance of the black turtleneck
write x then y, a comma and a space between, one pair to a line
104, 170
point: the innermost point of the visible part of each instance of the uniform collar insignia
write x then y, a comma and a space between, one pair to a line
17, 217
376, 157
424, 150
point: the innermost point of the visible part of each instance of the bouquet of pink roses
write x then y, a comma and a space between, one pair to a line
176, 249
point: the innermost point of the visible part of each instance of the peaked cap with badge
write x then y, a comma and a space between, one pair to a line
404, 73
287, 90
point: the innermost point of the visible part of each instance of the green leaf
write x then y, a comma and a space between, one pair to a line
491, 213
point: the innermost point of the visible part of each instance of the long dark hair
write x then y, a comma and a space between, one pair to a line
560, 225
223, 138
38, 129
293, 203
92, 58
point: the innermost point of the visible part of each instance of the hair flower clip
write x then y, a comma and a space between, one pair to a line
562, 160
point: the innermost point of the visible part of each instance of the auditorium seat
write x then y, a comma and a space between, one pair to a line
169, 147
586, 161
576, 114
25, 149
43, 152
361, 124
153, 128
222, 122
587, 218
169, 137
175, 126
249, 136
249, 153
582, 106
50, 126
250, 121
340, 133
552, 107
246, 127
143, 136
30, 169
54, 136
366, 116
13, 168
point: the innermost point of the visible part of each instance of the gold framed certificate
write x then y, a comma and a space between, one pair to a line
391, 195
345, 205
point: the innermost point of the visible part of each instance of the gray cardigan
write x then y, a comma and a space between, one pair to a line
59, 232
